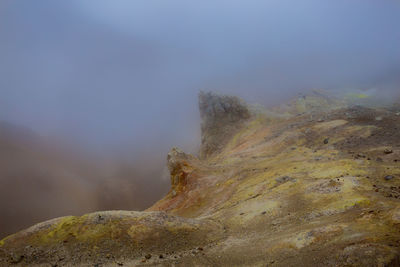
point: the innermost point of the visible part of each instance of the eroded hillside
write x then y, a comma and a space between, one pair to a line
315, 182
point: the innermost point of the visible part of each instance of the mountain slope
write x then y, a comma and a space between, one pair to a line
319, 186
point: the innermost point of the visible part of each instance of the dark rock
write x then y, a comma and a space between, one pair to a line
326, 141
360, 155
100, 218
148, 256
389, 177
161, 256
284, 179
16, 258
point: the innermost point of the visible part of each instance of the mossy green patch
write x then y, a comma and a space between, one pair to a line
77, 229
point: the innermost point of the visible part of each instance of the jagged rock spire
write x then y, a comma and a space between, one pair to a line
221, 116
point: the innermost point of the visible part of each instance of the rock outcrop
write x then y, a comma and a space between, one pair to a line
180, 167
275, 194
221, 117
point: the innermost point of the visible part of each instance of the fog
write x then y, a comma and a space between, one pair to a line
119, 79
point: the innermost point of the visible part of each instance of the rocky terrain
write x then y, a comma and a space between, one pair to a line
315, 182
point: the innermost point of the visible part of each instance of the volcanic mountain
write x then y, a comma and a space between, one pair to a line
315, 182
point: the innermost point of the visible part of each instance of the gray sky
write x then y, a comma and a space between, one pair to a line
128, 72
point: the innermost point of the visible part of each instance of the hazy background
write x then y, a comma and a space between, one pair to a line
94, 93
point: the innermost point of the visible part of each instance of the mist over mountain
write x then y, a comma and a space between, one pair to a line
41, 178
122, 73
93, 94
